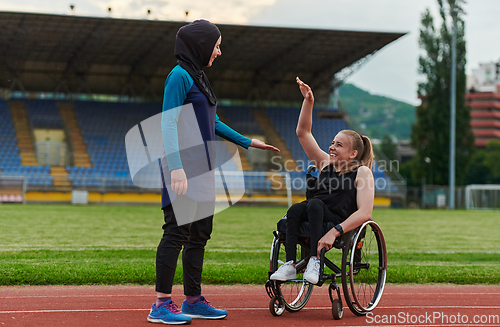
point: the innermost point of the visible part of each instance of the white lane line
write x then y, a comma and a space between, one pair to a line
247, 309
70, 310
410, 307
152, 296
432, 325
442, 307
218, 294
394, 295
69, 296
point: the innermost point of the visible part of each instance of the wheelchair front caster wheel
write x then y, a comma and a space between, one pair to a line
337, 309
276, 306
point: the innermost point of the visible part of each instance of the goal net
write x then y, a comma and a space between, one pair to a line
486, 196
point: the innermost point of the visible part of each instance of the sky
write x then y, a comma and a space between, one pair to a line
392, 72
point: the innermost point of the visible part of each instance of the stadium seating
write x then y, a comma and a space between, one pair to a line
8, 144
44, 114
10, 160
240, 119
104, 125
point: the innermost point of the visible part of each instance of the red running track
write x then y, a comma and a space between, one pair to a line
78, 306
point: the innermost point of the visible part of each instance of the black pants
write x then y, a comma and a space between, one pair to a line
193, 237
314, 211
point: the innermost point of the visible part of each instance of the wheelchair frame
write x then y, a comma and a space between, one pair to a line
353, 270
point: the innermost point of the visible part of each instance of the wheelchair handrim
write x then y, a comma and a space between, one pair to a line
382, 269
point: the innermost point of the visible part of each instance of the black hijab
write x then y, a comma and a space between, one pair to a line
194, 45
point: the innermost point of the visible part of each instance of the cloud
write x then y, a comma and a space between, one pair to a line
217, 11
84, 8
393, 70
482, 29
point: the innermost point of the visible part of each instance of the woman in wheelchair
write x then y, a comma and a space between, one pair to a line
344, 192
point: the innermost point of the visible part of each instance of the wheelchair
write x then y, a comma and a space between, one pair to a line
362, 272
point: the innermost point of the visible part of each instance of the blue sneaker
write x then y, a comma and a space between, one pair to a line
202, 310
167, 313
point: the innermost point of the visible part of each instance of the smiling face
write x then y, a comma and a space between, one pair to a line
341, 151
217, 51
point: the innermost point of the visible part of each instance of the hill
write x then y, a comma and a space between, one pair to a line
376, 115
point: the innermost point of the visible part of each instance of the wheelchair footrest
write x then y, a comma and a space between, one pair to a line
270, 289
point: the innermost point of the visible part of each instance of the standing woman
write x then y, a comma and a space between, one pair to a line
197, 45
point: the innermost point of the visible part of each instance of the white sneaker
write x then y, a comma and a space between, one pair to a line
312, 271
285, 272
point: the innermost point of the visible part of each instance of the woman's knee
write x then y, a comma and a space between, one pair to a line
315, 211
296, 211
315, 204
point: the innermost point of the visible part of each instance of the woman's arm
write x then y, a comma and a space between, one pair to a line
365, 196
318, 157
177, 85
231, 135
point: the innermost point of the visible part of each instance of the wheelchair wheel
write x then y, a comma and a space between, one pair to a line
294, 294
276, 307
364, 268
337, 309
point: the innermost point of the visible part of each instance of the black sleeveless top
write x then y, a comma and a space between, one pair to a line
337, 191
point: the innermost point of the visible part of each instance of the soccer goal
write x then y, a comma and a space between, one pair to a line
480, 197
12, 189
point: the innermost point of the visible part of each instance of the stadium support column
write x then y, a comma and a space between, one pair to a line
453, 11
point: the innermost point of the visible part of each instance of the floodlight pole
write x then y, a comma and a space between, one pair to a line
454, 12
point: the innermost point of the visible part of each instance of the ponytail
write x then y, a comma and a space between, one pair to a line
367, 156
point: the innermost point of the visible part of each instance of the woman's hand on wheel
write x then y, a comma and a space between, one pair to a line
326, 242
305, 90
258, 144
179, 182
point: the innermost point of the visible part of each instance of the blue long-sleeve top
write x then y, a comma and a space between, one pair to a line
180, 91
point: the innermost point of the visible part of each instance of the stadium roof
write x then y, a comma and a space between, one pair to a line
56, 53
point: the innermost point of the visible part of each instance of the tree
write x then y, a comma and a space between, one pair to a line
478, 172
389, 147
431, 134
485, 165
492, 158
406, 170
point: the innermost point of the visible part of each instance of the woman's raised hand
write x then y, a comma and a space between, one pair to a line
305, 90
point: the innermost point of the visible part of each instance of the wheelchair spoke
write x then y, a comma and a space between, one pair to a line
293, 291
299, 296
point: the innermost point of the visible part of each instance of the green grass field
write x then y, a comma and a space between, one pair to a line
74, 245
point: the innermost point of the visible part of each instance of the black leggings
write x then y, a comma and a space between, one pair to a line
193, 237
316, 212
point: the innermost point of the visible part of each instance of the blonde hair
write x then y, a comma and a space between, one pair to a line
365, 155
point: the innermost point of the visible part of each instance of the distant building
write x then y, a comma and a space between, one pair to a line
483, 96
405, 152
